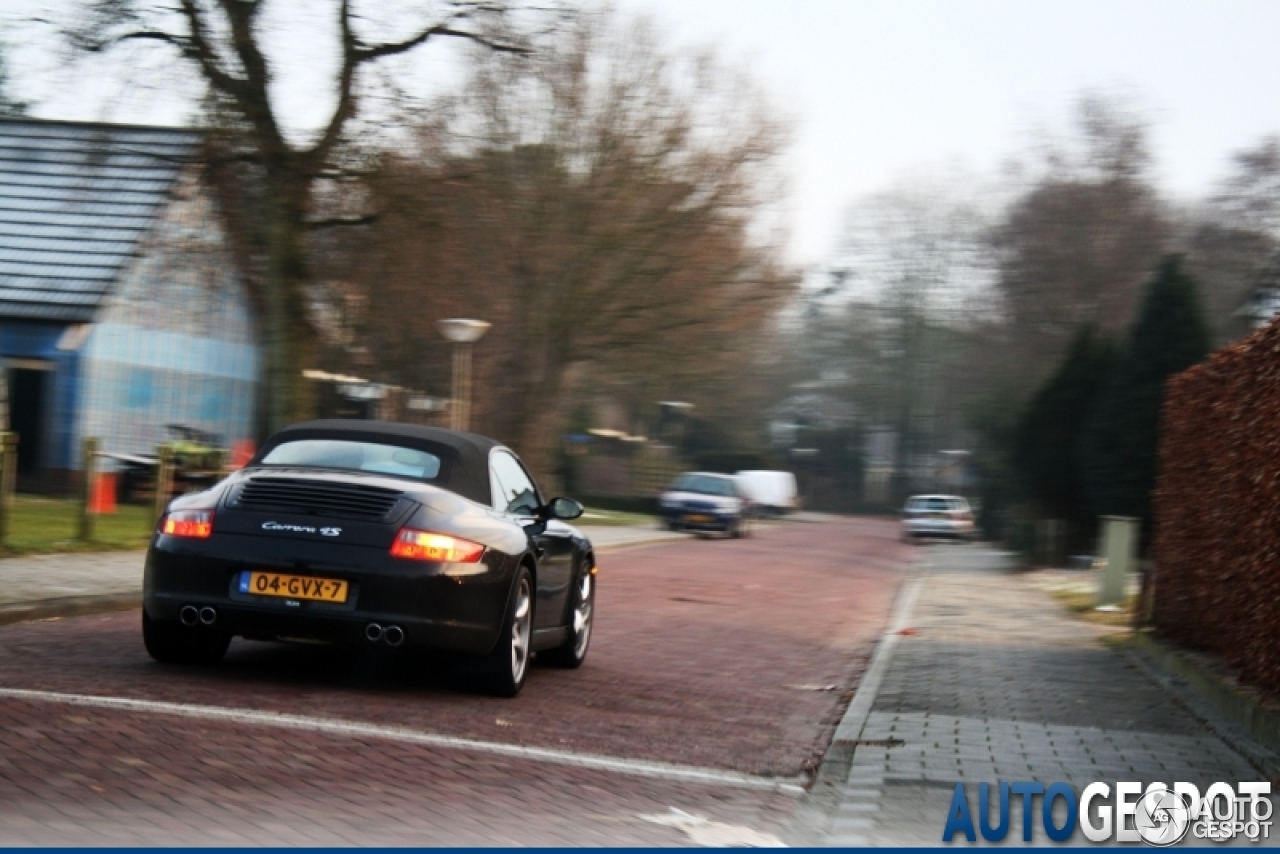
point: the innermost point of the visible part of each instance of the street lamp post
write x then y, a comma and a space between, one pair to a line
462, 333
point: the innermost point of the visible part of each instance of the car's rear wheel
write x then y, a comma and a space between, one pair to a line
503, 670
574, 651
174, 643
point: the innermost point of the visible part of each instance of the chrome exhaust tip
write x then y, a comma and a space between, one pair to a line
373, 632
189, 615
393, 635
208, 616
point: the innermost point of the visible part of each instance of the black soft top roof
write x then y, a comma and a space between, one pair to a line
464, 456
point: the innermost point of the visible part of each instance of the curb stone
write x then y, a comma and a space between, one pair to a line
1210, 696
107, 603
818, 808
652, 541
70, 606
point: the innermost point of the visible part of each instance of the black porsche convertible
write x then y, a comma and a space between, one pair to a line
376, 534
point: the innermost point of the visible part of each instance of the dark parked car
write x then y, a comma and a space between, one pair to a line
374, 534
702, 501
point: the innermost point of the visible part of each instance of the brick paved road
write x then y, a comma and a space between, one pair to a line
707, 653
58, 579
995, 682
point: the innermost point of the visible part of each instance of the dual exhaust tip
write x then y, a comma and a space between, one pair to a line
393, 635
190, 615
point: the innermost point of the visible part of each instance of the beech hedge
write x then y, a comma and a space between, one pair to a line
1217, 508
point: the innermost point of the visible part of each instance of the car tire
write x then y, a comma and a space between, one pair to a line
573, 652
173, 643
740, 528
504, 670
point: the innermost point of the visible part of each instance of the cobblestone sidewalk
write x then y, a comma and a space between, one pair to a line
63, 576
992, 681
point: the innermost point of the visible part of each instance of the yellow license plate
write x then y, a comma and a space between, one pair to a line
294, 587
697, 518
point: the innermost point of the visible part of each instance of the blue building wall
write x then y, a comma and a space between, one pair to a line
38, 341
175, 342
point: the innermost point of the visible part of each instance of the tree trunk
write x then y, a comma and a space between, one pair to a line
288, 337
540, 428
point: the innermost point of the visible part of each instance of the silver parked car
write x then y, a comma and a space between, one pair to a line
945, 516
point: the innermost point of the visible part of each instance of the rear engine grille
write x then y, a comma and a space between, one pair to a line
318, 497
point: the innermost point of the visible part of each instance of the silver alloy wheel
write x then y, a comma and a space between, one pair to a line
582, 617
521, 626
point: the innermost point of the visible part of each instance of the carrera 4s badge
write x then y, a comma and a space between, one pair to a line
301, 529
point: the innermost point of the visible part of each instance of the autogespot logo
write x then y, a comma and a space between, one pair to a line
1163, 817
1160, 815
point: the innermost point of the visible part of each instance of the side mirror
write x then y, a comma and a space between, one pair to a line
564, 509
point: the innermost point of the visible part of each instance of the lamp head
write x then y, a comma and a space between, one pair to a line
462, 330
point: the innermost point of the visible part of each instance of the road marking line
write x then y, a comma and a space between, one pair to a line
715, 834
636, 767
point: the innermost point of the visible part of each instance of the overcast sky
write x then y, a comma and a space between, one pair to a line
880, 88
883, 87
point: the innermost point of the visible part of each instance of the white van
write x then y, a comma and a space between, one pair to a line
770, 492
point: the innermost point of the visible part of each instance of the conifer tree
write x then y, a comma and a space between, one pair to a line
1051, 430
1118, 457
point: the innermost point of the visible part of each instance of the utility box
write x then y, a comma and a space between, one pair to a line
1119, 550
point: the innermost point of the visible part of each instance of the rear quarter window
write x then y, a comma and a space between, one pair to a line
372, 457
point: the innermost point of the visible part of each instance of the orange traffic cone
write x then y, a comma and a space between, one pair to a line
241, 452
102, 499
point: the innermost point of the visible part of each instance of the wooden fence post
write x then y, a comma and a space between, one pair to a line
88, 462
8, 481
164, 481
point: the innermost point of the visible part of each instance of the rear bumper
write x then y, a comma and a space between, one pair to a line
699, 521
442, 606
942, 529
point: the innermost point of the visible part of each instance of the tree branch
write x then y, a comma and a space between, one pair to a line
252, 94
366, 54
342, 221
355, 54
201, 52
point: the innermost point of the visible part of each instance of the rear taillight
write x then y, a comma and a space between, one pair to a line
191, 524
423, 545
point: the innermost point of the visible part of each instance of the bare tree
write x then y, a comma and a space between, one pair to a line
1077, 247
917, 270
1233, 243
1250, 197
223, 42
10, 104
600, 202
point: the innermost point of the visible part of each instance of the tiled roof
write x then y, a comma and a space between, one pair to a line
75, 201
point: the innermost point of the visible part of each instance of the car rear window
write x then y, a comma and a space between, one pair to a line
704, 484
371, 457
938, 505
